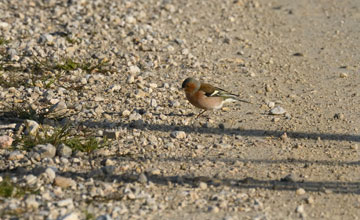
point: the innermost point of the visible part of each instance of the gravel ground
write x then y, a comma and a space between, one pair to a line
93, 124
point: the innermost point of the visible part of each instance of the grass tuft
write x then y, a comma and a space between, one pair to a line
11, 190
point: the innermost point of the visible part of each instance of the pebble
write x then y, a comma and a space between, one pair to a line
16, 155
213, 209
66, 202
339, 116
4, 25
64, 182
133, 70
300, 209
153, 103
203, 185
70, 216
104, 217
271, 104
310, 200
142, 178
354, 146
114, 88
174, 104
46, 38
5, 141
300, 191
99, 99
31, 202
45, 150
112, 134
64, 151
343, 75
178, 134
130, 79
125, 113
59, 109
278, 110
50, 173
30, 179
32, 127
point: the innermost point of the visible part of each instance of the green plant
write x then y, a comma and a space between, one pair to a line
88, 215
3, 41
11, 190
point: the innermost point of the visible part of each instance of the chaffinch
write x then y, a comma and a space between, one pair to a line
206, 96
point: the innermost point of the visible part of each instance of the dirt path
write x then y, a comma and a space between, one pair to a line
237, 163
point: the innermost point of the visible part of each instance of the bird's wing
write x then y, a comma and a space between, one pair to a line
212, 91
209, 89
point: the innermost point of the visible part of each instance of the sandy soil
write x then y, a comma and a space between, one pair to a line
241, 162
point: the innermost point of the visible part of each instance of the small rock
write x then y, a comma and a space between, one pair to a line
328, 191
47, 150
310, 200
134, 70
99, 110
142, 178
83, 81
268, 88
300, 209
66, 202
125, 113
288, 178
4, 25
111, 134
30, 179
354, 147
278, 110
287, 115
70, 216
271, 104
174, 103
108, 170
114, 88
108, 162
32, 127
99, 99
223, 146
59, 109
31, 202
130, 79
153, 85
284, 137
64, 182
339, 116
104, 217
203, 185
50, 173
153, 103
16, 155
169, 145
213, 209
343, 75
300, 191
130, 19
178, 134
64, 151
5, 141
155, 172
275, 120
228, 218
46, 38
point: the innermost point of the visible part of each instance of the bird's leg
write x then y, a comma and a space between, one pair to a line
200, 113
